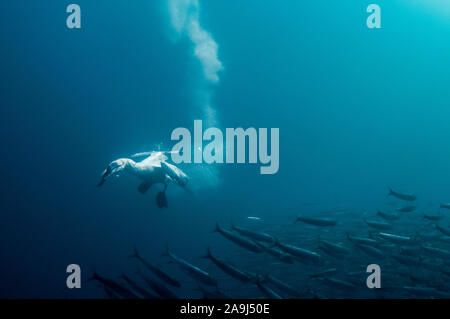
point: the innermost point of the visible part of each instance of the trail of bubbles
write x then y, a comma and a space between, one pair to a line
185, 19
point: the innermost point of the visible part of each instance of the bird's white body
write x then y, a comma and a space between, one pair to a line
152, 170
146, 170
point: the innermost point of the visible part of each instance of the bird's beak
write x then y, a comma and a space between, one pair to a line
105, 174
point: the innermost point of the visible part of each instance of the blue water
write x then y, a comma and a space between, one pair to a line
359, 110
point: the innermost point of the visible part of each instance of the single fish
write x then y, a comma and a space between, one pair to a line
156, 271
406, 209
362, 240
259, 236
324, 273
397, 239
277, 253
407, 197
333, 249
269, 293
229, 269
446, 206
317, 221
387, 216
439, 252
432, 216
378, 224
301, 253
191, 270
443, 230
238, 239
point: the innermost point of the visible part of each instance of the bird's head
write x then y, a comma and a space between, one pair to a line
118, 165
113, 168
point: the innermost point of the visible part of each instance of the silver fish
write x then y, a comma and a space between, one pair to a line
387, 216
259, 236
277, 253
406, 209
317, 221
362, 240
334, 249
436, 251
432, 216
267, 291
229, 269
191, 270
300, 253
238, 239
443, 230
403, 196
155, 270
378, 224
396, 238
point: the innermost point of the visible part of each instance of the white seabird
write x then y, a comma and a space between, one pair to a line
152, 170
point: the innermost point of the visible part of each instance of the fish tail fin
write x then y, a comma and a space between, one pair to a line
95, 276
166, 251
217, 229
297, 219
208, 253
135, 253
390, 193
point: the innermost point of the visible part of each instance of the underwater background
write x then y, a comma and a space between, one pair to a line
359, 111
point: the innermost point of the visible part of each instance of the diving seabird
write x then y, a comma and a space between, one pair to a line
152, 170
